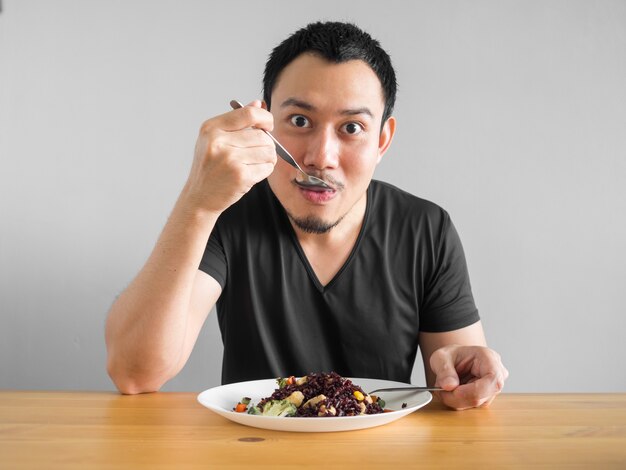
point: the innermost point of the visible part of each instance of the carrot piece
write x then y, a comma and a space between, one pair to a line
240, 408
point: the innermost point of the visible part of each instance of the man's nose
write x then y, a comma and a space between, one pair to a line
323, 150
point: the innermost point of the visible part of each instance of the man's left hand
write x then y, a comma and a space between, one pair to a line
471, 376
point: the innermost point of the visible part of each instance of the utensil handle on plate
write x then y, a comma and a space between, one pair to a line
408, 389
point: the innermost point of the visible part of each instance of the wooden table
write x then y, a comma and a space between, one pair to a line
48, 430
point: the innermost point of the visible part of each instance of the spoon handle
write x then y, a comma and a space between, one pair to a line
406, 389
309, 181
280, 150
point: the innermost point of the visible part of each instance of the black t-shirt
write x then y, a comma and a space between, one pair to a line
406, 273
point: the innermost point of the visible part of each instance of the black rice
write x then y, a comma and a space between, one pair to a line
339, 393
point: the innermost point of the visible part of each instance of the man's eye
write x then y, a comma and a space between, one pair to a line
353, 128
300, 121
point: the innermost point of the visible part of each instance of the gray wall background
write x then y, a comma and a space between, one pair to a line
512, 115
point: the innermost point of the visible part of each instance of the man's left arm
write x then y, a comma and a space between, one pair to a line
460, 362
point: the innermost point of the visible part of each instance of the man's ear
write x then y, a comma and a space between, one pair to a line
386, 136
264, 105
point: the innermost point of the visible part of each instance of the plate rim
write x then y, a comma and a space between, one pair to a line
309, 424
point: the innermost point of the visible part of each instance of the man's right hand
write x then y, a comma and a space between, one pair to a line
154, 323
232, 154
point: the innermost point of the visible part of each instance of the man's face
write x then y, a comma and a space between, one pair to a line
328, 116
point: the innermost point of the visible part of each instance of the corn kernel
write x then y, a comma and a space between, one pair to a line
359, 396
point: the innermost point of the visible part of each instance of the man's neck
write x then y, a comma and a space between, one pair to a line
328, 252
348, 228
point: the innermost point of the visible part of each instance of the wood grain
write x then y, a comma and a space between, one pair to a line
171, 430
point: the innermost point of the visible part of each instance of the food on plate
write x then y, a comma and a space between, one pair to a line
314, 395
242, 405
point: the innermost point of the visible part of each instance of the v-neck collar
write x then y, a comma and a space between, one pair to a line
305, 261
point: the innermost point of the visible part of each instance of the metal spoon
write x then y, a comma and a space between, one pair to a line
309, 181
406, 389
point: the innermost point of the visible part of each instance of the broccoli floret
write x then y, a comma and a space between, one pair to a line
279, 408
283, 382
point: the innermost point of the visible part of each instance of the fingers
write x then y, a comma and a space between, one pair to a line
232, 154
252, 155
479, 393
471, 376
251, 115
252, 145
442, 363
259, 171
237, 129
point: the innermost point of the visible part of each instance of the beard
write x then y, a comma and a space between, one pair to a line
311, 224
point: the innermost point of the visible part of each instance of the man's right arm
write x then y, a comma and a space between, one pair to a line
153, 325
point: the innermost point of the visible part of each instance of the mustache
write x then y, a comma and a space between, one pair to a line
335, 183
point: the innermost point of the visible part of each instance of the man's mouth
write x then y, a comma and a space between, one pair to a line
312, 187
331, 184
316, 194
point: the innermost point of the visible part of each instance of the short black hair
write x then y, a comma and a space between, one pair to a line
336, 42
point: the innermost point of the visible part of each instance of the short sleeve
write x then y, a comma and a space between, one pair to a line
448, 301
214, 259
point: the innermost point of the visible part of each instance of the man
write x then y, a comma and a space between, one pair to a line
349, 279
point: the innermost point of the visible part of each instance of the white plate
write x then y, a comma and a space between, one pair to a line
223, 399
